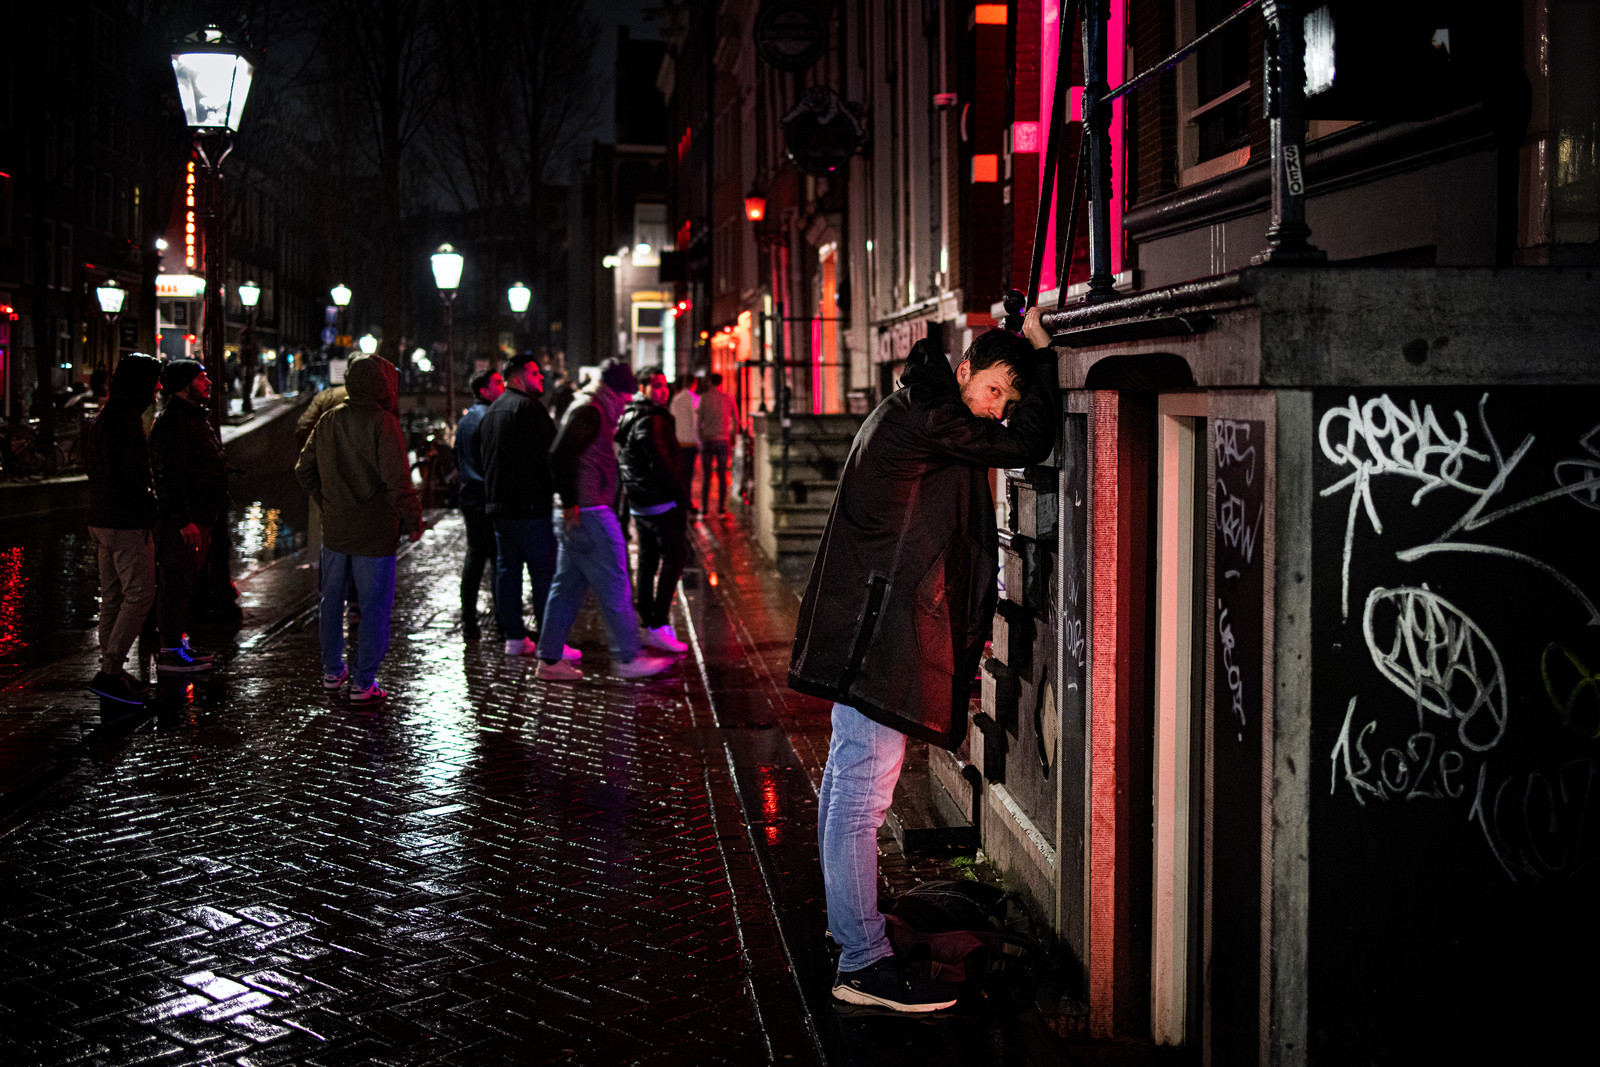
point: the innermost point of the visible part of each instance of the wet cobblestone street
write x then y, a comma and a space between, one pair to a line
485, 868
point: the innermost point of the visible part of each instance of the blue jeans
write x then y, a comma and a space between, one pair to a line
713, 454
373, 577
857, 787
592, 553
519, 543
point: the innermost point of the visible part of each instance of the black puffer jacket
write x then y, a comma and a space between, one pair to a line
647, 453
188, 464
902, 591
115, 452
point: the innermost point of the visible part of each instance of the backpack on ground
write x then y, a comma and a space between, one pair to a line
963, 930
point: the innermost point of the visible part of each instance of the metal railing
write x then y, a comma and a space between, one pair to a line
1287, 234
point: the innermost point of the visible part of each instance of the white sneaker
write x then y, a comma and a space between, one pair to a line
641, 666
559, 671
664, 638
520, 646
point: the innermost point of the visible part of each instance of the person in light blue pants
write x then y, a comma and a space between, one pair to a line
857, 787
591, 553
373, 578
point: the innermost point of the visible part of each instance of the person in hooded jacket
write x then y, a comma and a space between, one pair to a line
647, 454
354, 466
898, 607
190, 472
487, 386
122, 518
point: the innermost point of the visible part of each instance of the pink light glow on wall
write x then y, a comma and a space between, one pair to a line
1116, 74
1049, 46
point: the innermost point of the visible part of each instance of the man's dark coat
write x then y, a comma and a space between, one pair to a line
902, 591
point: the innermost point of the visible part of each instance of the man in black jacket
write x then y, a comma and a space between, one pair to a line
647, 453
513, 440
122, 515
900, 600
486, 387
191, 480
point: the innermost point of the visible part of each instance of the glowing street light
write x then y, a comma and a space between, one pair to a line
368, 343
213, 74
755, 205
341, 295
447, 264
518, 296
111, 295
249, 296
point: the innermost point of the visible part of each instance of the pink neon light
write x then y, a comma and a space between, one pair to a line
1116, 74
1025, 137
1049, 46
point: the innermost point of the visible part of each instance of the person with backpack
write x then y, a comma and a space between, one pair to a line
647, 454
900, 600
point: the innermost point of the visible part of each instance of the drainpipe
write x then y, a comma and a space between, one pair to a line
1097, 141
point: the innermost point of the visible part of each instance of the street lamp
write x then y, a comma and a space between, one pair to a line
519, 296
447, 264
111, 295
368, 344
249, 296
213, 73
755, 205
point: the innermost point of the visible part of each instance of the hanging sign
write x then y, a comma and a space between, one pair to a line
822, 131
791, 34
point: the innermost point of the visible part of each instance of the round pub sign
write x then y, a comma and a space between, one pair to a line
790, 34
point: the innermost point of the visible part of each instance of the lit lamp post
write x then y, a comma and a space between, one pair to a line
368, 344
249, 296
519, 296
111, 295
213, 74
447, 263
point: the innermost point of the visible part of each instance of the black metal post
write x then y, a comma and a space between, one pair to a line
782, 385
1097, 143
1285, 90
449, 365
1058, 130
213, 148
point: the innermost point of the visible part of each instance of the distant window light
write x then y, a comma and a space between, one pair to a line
989, 15
986, 168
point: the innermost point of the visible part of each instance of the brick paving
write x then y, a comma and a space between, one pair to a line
486, 869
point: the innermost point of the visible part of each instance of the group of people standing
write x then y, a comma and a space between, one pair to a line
154, 499
546, 500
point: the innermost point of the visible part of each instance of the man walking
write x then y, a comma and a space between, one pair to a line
122, 516
486, 387
895, 615
190, 474
354, 466
647, 454
684, 406
717, 422
514, 443
592, 552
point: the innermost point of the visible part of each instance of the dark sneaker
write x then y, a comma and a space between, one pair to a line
886, 984
179, 661
200, 657
116, 687
147, 690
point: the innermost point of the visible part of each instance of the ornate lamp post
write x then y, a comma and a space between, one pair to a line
213, 73
249, 296
111, 295
519, 296
447, 264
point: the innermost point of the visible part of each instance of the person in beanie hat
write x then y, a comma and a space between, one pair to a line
190, 474
583, 464
354, 466
122, 516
